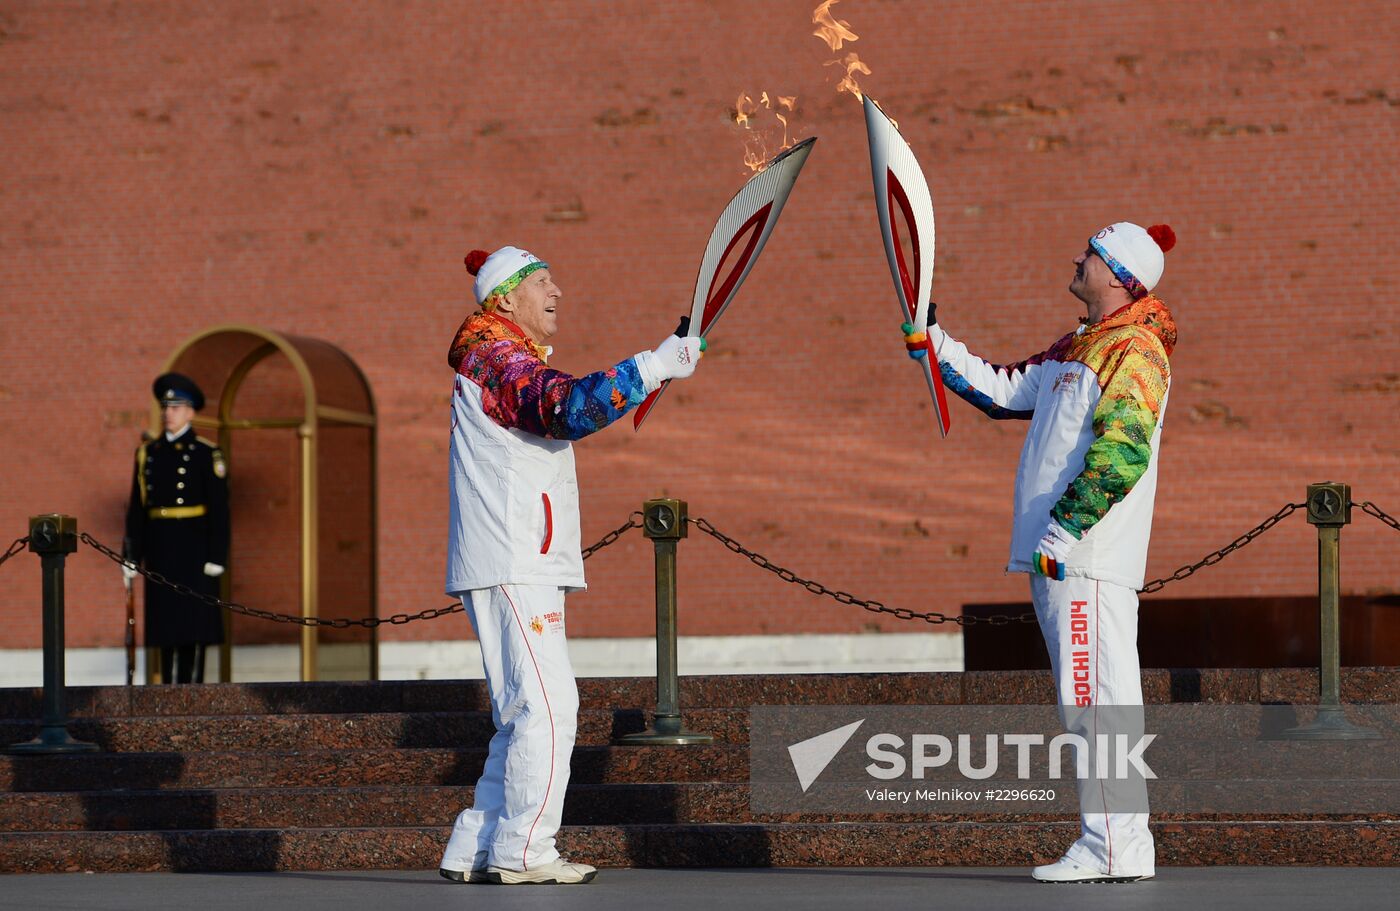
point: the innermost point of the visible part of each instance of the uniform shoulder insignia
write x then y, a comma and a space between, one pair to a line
220, 466
210, 443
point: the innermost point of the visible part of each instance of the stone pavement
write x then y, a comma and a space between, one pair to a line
805, 889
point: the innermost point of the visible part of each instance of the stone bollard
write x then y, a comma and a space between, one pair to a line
664, 521
1329, 508
53, 538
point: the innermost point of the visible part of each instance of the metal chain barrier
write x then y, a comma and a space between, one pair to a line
1215, 557
875, 607
633, 521
936, 617
19, 545
1370, 509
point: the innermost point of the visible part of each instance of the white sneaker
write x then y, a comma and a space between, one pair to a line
474, 875
560, 872
1065, 870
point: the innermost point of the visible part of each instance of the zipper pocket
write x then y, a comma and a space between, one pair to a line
548, 524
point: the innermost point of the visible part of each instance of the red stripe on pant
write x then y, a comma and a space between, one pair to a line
525, 854
1107, 823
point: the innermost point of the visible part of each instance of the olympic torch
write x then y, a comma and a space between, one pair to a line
742, 230
900, 189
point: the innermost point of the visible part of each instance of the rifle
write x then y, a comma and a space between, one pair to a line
130, 638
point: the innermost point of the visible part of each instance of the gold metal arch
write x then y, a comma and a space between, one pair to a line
260, 344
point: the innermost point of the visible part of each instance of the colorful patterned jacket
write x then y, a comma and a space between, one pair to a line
513, 492
1096, 400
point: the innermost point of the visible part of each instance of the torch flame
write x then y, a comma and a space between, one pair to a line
853, 65
834, 31
830, 29
756, 155
784, 107
741, 116
759, 139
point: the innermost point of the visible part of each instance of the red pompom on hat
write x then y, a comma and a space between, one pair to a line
477, 258
1164, 235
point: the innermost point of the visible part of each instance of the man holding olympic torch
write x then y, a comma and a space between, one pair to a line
514, 551
1083, 504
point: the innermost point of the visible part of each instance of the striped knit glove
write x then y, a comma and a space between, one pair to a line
916, 340
916, 343
1052, 553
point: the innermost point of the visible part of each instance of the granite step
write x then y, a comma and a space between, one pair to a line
1239, 686
1016, 844
396, 730
325, 775
603, 693
357, 768
349, 731
389, 806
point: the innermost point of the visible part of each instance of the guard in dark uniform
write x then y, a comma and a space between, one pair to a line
177, 525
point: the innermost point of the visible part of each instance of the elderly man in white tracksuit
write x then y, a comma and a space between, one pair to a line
514, 551
1083, 508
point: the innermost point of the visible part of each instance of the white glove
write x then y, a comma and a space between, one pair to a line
1052, 552
674, 359
128, 572
213, 569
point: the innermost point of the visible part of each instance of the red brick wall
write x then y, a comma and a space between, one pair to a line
320, 168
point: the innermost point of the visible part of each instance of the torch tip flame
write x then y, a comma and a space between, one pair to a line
830, 29
848, 83
834, 31
741, 116
758, 140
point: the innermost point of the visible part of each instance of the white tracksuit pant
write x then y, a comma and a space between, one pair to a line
1090, 630
519, 798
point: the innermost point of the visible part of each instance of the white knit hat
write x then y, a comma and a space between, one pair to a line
1134, 253
500, 272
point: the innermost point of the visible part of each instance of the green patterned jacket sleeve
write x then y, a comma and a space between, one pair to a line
1134, 377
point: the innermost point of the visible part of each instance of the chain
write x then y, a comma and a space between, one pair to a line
1211, 559
14, 548
875, 607
1371, 509
935, 617
762, 562
633, 521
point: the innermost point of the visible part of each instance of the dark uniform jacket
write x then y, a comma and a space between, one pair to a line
176, 522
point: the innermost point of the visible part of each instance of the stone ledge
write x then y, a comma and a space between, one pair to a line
1212, 685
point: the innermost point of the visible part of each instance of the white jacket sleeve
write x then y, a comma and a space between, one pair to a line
1004, 392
